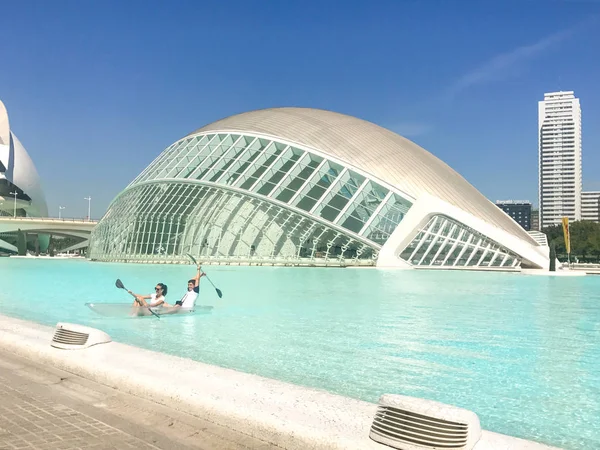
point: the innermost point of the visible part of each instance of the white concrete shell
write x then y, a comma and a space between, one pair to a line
18, 174
20, 171
382, 194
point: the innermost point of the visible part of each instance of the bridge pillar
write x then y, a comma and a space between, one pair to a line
44, 240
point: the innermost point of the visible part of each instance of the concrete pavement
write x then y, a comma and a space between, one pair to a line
46, 408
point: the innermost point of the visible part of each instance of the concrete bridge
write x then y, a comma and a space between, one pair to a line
80, 228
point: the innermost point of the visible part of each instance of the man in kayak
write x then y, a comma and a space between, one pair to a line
156, 299
193, 289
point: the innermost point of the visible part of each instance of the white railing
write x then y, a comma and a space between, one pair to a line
50, 219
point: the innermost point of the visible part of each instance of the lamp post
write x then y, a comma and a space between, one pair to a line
89, 199
60, 208
15, 210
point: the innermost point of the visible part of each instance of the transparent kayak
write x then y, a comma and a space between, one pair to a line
126, 310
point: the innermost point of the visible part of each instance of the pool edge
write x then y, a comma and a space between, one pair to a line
280, 413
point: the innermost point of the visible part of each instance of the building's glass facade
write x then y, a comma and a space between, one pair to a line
239, 197
519, 211
443, 242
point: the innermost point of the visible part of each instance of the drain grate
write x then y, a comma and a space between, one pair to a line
69, 336
409, 423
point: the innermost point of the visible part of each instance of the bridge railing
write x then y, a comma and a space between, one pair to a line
50, 219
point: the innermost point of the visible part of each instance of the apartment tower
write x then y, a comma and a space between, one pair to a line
559, 158
590, 206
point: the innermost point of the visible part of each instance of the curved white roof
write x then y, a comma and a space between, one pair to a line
376, 150
20, 168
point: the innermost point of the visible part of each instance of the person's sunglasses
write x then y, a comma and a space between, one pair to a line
157, 289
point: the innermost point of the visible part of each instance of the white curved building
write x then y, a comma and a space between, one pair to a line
306, 186
18, 175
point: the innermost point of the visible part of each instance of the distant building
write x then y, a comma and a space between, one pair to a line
590, 206
559, 158
519, 210
21, 191
535, 220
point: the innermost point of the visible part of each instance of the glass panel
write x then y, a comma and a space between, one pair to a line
353, 223
442, 251
228, 156
450, 244
297, 179
428, 259
329, 213
498, 260
475, 259
317, 186
462, 260
426, 239
256, 169
452, 258
170, 161
217, 152
405, 255
294, 178
339, 195
275, 173
252, 157
487, 258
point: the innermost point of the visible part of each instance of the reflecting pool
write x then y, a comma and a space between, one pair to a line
523, 352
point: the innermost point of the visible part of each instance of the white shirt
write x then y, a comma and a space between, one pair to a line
189, 299
153, 299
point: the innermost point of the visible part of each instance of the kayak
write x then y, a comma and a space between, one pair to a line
126, 310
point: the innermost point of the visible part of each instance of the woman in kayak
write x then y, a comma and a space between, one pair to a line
156, 299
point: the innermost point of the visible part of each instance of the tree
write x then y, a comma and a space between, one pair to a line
552, 257
21, 243
585, 240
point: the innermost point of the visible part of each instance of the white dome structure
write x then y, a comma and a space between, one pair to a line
305, 186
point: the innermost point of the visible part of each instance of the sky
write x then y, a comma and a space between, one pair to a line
96, 90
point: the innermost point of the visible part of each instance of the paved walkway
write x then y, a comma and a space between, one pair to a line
45, 408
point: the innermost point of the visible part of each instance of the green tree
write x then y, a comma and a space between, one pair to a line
21, 243
552, 257
585, 240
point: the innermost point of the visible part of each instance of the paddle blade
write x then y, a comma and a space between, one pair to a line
219, 293
119, 284
193, 259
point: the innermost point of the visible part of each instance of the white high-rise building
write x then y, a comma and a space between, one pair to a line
559, 158
590, 206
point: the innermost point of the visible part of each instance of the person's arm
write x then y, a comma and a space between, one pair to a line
140, 297
198, 275
158, 303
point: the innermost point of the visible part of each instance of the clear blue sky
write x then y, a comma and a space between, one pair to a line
96, 90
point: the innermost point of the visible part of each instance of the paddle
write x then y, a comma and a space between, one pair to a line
219, 293
119, 284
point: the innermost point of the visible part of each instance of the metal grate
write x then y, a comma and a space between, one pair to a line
400, 426
69, 337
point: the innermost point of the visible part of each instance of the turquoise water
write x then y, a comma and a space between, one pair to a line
523, 352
